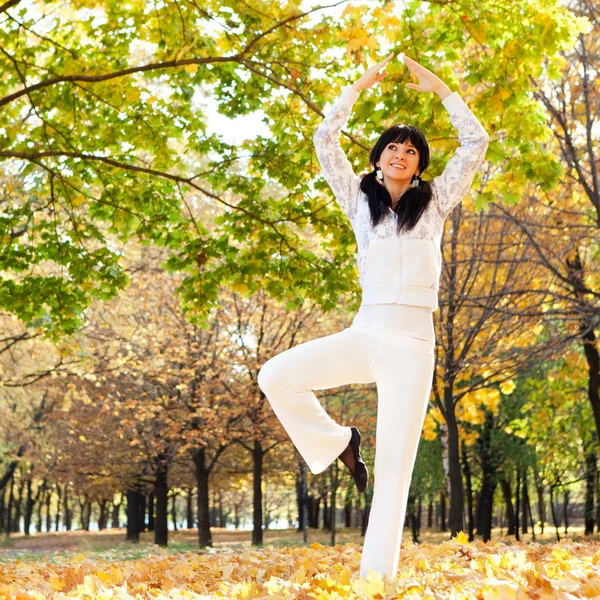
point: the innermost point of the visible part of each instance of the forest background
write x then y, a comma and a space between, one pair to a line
150, 264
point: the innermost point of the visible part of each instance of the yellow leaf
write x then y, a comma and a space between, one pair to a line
372, 585
299, 575
508, 386
273, 585
500, 591
58, 584
461, 538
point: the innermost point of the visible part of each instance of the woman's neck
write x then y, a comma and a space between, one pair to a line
396, 190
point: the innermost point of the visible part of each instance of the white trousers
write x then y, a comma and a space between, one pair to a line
402, 368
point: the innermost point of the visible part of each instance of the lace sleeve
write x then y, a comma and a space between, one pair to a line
335, 165
452, 185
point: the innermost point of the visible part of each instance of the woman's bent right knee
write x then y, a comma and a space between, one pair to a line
269, 374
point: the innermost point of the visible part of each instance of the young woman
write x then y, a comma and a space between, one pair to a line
398, 221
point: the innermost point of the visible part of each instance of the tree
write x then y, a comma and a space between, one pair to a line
105, 137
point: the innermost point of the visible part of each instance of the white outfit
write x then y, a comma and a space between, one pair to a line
391, 340
400, 269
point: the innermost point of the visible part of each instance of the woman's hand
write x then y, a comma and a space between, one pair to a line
428, 82
371, 77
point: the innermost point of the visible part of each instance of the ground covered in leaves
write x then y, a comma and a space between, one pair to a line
452, 569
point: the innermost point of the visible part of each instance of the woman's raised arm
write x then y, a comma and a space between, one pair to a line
452, 185
335, 165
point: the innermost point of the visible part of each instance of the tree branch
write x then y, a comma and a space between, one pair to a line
8, 5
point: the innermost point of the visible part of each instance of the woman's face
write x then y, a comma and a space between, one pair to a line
399, 161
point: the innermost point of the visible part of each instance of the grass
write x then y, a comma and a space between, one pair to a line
111, 544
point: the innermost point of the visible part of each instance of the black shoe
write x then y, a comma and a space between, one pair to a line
361, 474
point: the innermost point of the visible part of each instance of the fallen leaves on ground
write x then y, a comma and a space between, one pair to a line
454, 570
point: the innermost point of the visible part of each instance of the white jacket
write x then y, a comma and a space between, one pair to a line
401, 269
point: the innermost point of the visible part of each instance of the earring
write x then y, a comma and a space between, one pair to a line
416, 181
379, 175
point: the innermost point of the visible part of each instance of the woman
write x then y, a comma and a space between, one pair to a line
398, 222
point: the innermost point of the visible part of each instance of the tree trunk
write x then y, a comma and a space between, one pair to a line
41, 503
58, 505
257, 459
48, 515
467, 472
18, 506
443, 524
325, 495
203, 509
332, 516
300, 501
457, 500
116, 509
541, 506
590, 485
161, 490
510, 513
577, 275
133, 515
347, 513
189, 512
220, 511
487, 509
489, 461
477, 511
554, 518
531, 517
411, 514
2, 511
303, 505
565, 509
10, 471
314, 511
517, 505
174, 511
86, 513
103, 516
29, 503
597, 501
524, 505
8, 520
67, 509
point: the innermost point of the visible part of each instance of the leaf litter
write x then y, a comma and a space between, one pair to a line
453, 570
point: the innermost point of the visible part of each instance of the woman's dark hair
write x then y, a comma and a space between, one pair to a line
415, 200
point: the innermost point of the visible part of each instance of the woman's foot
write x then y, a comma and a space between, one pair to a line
352, 458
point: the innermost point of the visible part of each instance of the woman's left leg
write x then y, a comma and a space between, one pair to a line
287, 380
403, 372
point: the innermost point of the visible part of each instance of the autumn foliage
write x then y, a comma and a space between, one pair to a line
453, 569
150, 266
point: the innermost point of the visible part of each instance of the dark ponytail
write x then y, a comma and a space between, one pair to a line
415, 200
